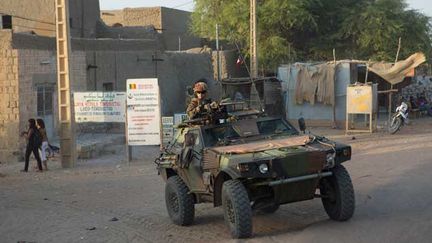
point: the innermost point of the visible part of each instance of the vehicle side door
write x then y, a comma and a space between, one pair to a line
191, 157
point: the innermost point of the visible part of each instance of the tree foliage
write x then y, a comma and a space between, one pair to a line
308, 30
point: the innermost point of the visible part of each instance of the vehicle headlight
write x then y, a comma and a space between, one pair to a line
346, 152
263, 168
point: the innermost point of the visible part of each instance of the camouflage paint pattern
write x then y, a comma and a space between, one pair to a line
285, 162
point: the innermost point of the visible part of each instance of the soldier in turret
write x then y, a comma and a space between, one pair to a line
199, 104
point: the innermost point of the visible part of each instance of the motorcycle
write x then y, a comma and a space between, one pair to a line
399, 118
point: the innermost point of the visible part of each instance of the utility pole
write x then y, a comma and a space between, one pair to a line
253, 40
217, 54
255, 101
391, 85
65, 101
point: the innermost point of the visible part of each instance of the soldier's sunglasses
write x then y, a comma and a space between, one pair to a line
201, 92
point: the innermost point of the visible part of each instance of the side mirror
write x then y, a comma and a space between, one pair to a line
302, 124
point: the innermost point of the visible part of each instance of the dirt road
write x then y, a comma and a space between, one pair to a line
391, 175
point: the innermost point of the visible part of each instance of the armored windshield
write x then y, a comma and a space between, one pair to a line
234, 132
218, 135
276, 126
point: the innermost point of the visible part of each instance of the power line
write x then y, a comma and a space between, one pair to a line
184, 4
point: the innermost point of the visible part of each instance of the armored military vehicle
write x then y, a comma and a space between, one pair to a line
252, 163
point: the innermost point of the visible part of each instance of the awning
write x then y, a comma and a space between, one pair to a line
400, 70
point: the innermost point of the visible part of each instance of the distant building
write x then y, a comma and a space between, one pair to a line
172, 24
38, 16
102, 58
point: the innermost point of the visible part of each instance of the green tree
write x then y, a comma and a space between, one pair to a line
308, 30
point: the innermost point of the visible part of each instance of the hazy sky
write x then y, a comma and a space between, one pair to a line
424, 6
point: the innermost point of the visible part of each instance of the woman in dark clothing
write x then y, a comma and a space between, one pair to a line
31, 145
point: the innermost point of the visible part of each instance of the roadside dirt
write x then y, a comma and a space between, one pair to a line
390, 175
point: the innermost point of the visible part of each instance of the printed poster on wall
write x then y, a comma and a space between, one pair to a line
143, 112
99, 106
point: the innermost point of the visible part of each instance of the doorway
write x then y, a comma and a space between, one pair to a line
45, 94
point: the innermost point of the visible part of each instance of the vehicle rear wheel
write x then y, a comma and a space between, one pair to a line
395, 124
337, 194
179, 203
237, 209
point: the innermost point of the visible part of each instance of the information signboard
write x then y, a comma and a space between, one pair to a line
143, 112
99, 106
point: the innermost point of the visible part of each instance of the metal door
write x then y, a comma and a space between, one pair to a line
45, 93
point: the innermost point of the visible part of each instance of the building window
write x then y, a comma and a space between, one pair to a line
6, 22
108, 87
45, 100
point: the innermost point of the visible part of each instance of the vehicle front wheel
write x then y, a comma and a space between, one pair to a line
337, 194
237, 209
179, 203
395, 124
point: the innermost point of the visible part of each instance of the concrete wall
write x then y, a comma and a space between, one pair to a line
30, 61
9, 100
117, 66
39, 16
143, 17
26, 41
172, 24
112, 17
129, 32
6, 39
179, 70
39, 68
318, 114
84, 16
175, 71
229, 68
175, 25
31, 15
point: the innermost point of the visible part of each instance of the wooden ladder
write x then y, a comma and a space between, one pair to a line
66, 118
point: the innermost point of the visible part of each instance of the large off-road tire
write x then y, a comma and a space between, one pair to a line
270, 209
395, 124
179, 203
337, 194
237, 209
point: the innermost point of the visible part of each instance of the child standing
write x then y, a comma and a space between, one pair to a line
41, 126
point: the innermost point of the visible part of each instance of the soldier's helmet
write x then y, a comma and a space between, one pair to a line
200, 87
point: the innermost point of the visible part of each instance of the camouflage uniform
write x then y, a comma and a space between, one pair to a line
193, 108
196, 104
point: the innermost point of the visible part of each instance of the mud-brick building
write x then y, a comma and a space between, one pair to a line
99, 62
171, 24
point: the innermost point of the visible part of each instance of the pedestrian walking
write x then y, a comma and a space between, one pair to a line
40, 124
34, 141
